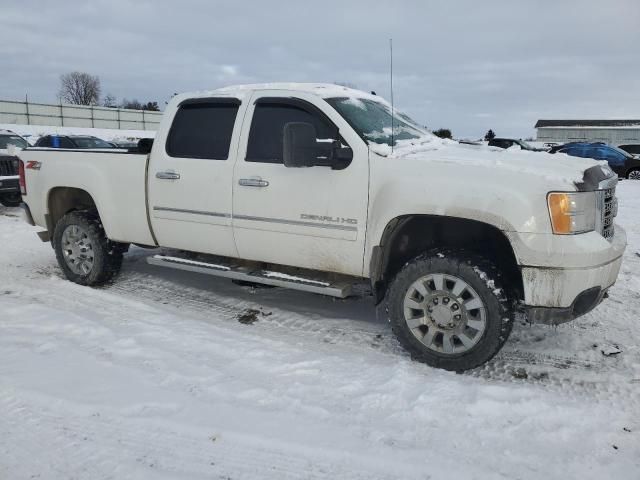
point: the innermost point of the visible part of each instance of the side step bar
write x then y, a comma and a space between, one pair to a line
277, 279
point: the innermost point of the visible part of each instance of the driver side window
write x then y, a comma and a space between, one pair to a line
267, 129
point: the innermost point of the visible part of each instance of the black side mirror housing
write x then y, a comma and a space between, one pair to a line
302, 149
299, 145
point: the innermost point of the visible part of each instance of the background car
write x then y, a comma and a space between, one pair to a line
621, 162
72, 142
126, 144
9, 186
633, 149
510, 142
7, 137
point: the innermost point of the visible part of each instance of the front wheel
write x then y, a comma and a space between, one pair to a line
448, 309
634, 174
84, 252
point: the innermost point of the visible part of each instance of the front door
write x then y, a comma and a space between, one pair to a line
190, 176
308, 217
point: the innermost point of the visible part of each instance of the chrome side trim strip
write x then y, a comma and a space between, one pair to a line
283, 221
194, 212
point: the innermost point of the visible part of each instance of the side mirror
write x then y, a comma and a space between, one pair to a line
302, 149
299, 145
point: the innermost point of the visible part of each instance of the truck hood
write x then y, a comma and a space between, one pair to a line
559, 169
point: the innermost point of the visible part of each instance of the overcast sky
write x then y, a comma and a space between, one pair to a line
467, 65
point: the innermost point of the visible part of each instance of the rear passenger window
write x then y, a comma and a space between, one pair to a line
203, 129
64, 142
44, 142
267, 130
632, 149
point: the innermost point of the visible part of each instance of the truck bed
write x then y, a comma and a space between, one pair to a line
116, 181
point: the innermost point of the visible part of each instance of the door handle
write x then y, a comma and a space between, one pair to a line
168, 175
253, 182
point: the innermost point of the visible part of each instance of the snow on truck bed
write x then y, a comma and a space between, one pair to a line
160, 376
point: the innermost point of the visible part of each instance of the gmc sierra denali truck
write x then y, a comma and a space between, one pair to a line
317, 187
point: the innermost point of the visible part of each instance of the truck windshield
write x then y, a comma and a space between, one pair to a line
372, 120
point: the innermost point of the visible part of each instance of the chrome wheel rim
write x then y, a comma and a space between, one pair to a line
77, 250
635, 175
445, 313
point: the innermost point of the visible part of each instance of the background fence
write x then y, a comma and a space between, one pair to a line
63, 115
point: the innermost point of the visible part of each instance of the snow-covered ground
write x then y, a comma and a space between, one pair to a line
166, 375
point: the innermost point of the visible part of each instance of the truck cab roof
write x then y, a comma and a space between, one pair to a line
322, 90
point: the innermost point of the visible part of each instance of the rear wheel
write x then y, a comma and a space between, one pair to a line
448, 310
634, 174
84, 252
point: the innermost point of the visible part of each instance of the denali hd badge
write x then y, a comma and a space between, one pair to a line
324, 218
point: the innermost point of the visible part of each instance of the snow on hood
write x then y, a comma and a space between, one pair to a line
557, 167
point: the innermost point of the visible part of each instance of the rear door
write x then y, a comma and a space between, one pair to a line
190, 176
307, 217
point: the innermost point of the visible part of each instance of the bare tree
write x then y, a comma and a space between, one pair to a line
136, 105
443, 133
79, 88
109, 101
131, 104
151, 106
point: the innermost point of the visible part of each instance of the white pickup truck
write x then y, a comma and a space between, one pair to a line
318, 187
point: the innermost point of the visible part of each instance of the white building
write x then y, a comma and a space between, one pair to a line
613, 132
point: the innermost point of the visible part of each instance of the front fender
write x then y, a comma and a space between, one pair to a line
402, 187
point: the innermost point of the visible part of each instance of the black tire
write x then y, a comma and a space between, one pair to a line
107, 255
478, 273
633, 174
11, 199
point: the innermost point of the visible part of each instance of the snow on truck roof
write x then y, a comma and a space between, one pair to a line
324, 90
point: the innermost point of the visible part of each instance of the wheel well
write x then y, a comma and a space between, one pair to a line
408, 236
63, 200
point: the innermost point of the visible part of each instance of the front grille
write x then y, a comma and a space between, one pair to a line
8, 166
608, 209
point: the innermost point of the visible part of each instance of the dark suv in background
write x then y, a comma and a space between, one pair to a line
9, 186
633, 149
72, 142
621, 162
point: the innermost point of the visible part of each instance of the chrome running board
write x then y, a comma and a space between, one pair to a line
277, 279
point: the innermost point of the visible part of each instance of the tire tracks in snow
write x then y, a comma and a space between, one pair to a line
515, 363
95, 443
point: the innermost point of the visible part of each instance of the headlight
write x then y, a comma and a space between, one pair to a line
572, 213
